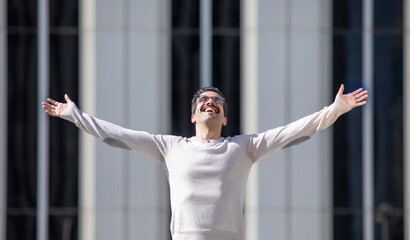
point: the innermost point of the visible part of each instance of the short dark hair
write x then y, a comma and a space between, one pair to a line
207, 89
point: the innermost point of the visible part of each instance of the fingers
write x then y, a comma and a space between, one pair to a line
357, 91
52, 101
360, 103
50, 109
360, 97
48, 106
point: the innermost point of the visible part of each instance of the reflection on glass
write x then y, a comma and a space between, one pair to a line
63, 227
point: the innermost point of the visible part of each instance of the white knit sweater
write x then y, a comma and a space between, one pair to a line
207, 178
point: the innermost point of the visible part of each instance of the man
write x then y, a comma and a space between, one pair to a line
207, 173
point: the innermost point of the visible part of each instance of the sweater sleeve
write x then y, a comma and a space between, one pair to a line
296, 132
153, 146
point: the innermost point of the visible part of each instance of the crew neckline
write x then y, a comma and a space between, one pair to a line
217, 140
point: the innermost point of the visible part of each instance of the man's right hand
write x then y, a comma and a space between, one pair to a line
55, 108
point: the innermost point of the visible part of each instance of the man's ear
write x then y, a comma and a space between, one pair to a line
225, 122
193, 119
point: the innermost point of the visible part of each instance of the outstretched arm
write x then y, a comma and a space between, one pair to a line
153, 146
55, 108
304, 128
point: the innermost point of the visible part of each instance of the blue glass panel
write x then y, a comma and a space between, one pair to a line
348, 227
388, 129
388, 15
347, 14
347, 131
347, 141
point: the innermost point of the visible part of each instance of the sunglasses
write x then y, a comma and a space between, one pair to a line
217, 100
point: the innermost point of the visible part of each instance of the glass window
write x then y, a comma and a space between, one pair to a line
388, 15
22, 13
185, 82
226, 77
63, 13
347, 15
186, 60
388, 135
347, 141
63, 163
185, 14
226, 58
226, 14
21, 226
387, 119
21, 135
22, 120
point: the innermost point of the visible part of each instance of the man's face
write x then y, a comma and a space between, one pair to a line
209, 108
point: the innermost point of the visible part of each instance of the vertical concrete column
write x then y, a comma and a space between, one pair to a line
149, 110
43, 120
249, 105
368, 158
205, 43
124, 80
310, 85
292, 80
271, 96
88, 104
3, 120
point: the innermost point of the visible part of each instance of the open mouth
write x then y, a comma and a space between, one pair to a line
210, 109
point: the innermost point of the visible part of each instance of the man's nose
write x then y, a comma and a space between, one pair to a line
210, 100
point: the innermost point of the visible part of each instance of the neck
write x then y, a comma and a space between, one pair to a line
206, 133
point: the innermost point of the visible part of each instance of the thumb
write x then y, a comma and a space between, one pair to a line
67, 98
341, 89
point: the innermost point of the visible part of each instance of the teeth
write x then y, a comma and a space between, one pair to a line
211, 109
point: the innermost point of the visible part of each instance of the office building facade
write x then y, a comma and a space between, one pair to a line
138, 63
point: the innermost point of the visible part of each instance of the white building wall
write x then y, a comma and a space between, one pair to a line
293, 81
130, 63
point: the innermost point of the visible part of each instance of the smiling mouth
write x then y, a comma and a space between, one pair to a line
210, 109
